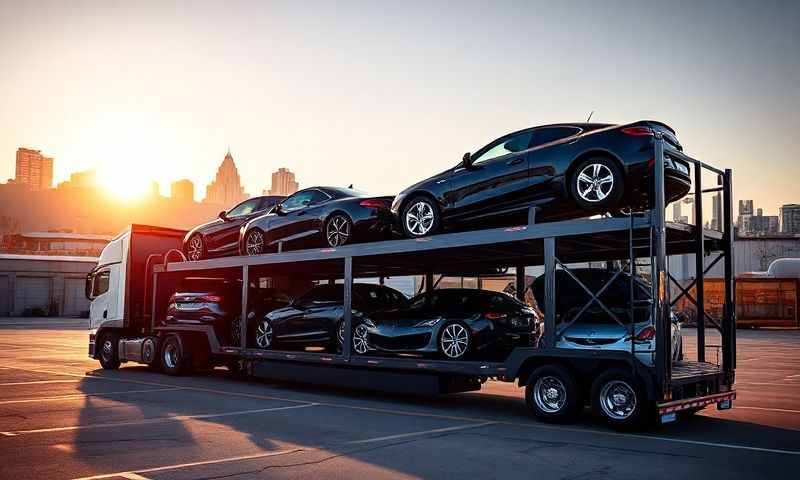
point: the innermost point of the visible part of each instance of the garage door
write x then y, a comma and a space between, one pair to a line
5, 295
75, 302
33, 294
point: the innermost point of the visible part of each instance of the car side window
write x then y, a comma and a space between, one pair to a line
546, 135
245, 208
302, 199
515, 143
267, 203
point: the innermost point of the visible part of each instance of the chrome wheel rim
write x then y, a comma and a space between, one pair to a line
419, 218
595, 182
108, 350
170, 355
338, 231
550, 394
454, 341
195, 249
359, 339
618, 400
255, 243
264, 334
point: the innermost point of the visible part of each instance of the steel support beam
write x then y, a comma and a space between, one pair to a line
520, 282
348, 307
699, 269
549, 292
660, 303
243, 316
729, 310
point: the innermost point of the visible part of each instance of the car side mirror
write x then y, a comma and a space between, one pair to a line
466, 161
278, 209
223, 215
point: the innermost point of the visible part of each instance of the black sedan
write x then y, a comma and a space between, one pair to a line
453, 323
214, 302
220, 237
568, 170
316, 318
318, 217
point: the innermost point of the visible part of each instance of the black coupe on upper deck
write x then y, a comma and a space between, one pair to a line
220, 236
568, 170
318, 217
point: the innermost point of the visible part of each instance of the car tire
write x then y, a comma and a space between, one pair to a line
455, 341
195, 248
254, 242
597, 183
552, 394
618, 400
263, 334
338, 230
420, 217
109, 351
174, 359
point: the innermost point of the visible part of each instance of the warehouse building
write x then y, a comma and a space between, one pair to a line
43, 285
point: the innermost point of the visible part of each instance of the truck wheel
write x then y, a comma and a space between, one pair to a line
552, 394
618, 399
109, 355
173, 357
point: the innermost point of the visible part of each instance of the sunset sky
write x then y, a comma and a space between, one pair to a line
382, 94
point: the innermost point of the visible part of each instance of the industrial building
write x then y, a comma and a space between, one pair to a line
43, 285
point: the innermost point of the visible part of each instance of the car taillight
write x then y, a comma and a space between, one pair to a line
638, 131
373, 203
647, 333
211, 298
494, 315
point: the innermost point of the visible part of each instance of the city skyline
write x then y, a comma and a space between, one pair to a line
178, 84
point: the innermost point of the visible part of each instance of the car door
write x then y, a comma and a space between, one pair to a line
297, 220
547, 151
496, 182
224, 237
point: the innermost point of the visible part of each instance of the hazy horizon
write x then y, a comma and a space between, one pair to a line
382, 95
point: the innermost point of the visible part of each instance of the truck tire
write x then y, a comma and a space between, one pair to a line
552, 394
109, 353
618, 400
174, 358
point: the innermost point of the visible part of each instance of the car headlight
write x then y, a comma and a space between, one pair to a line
369, 323
428, 323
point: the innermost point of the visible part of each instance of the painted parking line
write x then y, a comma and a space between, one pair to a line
77, 396
38, 382
777, 410
137, 474
523, 424
150, 421
424, 432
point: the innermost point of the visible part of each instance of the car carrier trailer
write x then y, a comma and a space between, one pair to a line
148, 267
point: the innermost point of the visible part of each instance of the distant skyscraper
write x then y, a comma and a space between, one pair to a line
182, 190
226, 189
154, 190
676, 212
745, 212
745, 207
283, 183
716, 212
790, 218
34, 169
690, 202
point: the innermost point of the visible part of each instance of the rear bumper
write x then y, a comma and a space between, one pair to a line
696, 402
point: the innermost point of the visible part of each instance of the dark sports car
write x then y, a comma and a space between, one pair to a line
455, 323
208, 301
568, 170
220, 237
318, 217
315, 319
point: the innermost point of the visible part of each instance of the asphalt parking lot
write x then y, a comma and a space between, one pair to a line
63, 417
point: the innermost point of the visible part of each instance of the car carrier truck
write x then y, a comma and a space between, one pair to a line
142, 268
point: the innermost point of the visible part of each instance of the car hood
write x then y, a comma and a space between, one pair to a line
209, 223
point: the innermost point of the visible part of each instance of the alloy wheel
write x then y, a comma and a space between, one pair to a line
194, 251
595, 182
360, 339
338, 231
171, 355
108, 351
254, 244
419, 218
618, 400
454, 341
550, 394
264, 334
